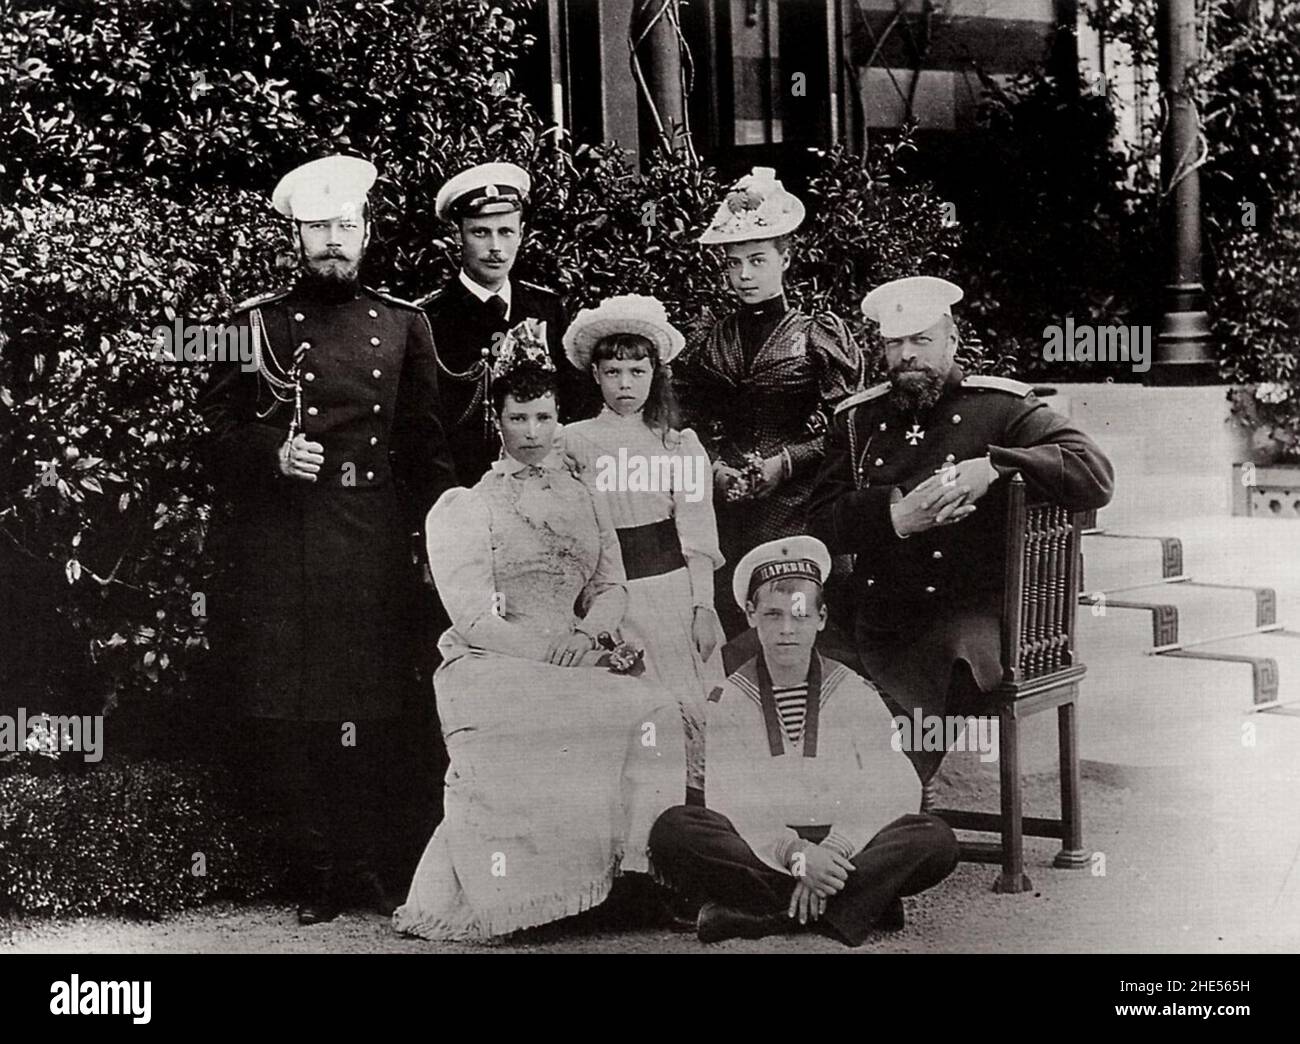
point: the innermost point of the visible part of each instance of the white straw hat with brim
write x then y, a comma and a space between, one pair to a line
756, 207
904, 307
324, 189
625, 314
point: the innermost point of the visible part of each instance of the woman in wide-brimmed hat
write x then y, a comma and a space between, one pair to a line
761, 387
659, 483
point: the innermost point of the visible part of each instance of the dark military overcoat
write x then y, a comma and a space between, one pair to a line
322, 582
917, 605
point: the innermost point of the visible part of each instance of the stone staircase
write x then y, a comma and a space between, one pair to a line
1142, 578
1189, 617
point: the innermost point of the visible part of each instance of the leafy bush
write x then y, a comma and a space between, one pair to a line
141, 169
1049, 226
139, 140
599, 229
1250, 100
125, 838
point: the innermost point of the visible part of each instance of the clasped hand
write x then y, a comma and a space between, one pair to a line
825, 873
726, 477
946, 497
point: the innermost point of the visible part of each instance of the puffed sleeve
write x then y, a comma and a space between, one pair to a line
459, 536
604, 599
697, 525
574, 443
839, 365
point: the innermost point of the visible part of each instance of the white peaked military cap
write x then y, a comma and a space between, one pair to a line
324, 189
798, 556
907, 306
626, 313
489, 188
755, 207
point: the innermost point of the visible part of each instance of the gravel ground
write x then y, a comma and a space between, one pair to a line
1157, 893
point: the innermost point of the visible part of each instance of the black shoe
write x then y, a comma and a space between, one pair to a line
683, 913
320, 902
372, 895
893, 919
717, 922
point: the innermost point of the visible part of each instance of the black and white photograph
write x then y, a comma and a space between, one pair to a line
651, 477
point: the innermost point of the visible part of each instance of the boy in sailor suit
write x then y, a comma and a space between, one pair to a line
808, 821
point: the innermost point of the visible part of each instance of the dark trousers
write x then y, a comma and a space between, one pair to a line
699, 852
331, 803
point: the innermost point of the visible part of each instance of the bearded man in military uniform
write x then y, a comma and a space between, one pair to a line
904, 488
331, 451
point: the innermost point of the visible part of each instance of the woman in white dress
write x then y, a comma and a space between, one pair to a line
559, 765
658, 480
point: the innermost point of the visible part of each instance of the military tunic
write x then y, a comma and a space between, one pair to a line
463, 330
323, 581
917, 605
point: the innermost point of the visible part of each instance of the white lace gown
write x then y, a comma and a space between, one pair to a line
661, 608
557, 773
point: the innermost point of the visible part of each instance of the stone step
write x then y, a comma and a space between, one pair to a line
1188, 612
1274, 661
1114, 561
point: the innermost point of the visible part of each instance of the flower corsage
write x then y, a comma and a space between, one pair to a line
620, 657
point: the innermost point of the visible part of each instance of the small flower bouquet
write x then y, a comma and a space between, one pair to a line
751, 477
620, 657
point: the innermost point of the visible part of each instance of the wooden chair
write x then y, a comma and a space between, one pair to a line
1041, 671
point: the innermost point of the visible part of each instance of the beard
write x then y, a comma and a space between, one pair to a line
914, 390
330, 277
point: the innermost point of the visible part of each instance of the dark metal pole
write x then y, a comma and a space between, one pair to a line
1182, 350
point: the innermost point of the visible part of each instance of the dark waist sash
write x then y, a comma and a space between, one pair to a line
651, 550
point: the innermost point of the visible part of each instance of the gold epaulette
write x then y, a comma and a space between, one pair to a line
257, 300
534, 286
1002, 384
874, 392
390, 299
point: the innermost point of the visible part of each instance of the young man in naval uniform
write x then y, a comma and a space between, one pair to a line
472, 312
904, 487
331, 451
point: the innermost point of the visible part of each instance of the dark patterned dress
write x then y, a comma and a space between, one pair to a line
767, 377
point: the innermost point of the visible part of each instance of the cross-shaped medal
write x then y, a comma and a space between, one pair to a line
914, 436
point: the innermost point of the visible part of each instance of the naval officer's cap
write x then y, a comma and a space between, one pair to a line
325, 189
489, 188
804, 557
904, 307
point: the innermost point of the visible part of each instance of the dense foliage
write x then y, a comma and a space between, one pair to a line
140, 141
142, 838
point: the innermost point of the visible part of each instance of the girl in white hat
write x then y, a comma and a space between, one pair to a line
659, 483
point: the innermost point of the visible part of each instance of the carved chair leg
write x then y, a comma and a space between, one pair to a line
1072, 854
929, 794
1012, 878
